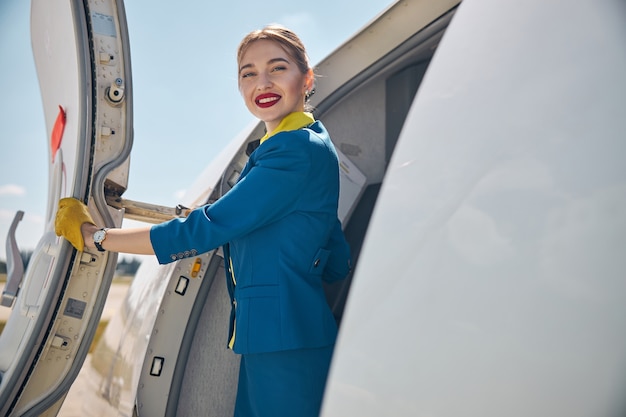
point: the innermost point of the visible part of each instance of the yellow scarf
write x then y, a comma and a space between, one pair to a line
293, 121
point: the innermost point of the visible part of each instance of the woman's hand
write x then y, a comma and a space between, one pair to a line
75, 224
70, 218
87, 230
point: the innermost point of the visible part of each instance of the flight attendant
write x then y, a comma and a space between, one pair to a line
279, 230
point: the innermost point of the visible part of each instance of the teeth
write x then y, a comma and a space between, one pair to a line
267, 100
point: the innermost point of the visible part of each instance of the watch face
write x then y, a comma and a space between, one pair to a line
99, 236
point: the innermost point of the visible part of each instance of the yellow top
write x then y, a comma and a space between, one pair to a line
293, 121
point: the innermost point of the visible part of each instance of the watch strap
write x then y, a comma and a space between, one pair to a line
99, 247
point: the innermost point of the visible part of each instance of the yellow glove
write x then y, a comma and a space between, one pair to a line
71, 215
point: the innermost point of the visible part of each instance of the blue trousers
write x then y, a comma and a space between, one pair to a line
287, 383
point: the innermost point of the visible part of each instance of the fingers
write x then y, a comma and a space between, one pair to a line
70, 216
87, 230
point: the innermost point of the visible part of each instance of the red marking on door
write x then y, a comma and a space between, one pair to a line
57, 132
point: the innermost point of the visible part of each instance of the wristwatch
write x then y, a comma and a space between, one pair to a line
99, 237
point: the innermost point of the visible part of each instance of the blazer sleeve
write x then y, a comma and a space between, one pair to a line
339, 263
266, 193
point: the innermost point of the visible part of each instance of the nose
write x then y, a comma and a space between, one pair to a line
263, 82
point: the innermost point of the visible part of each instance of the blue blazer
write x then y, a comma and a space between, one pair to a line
281, 238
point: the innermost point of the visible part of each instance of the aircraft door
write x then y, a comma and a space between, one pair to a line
81, 52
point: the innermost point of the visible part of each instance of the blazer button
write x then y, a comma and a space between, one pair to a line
316, 263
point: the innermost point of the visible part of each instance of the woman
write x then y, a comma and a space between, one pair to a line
280, 233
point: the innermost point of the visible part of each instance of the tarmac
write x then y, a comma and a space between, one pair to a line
72, 406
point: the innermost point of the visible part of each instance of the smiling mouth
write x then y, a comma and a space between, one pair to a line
266, 100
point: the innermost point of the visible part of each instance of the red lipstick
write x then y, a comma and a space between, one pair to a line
266, 100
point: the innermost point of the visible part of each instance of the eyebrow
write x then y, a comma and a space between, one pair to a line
271, 61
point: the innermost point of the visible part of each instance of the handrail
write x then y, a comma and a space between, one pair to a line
15, 264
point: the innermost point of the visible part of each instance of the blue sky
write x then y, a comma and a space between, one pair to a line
186, 102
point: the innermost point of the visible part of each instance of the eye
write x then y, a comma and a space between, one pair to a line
247, 74
279, 68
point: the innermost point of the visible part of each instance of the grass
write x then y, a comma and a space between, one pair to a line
101, 326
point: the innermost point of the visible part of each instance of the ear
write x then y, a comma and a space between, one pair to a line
309, 80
